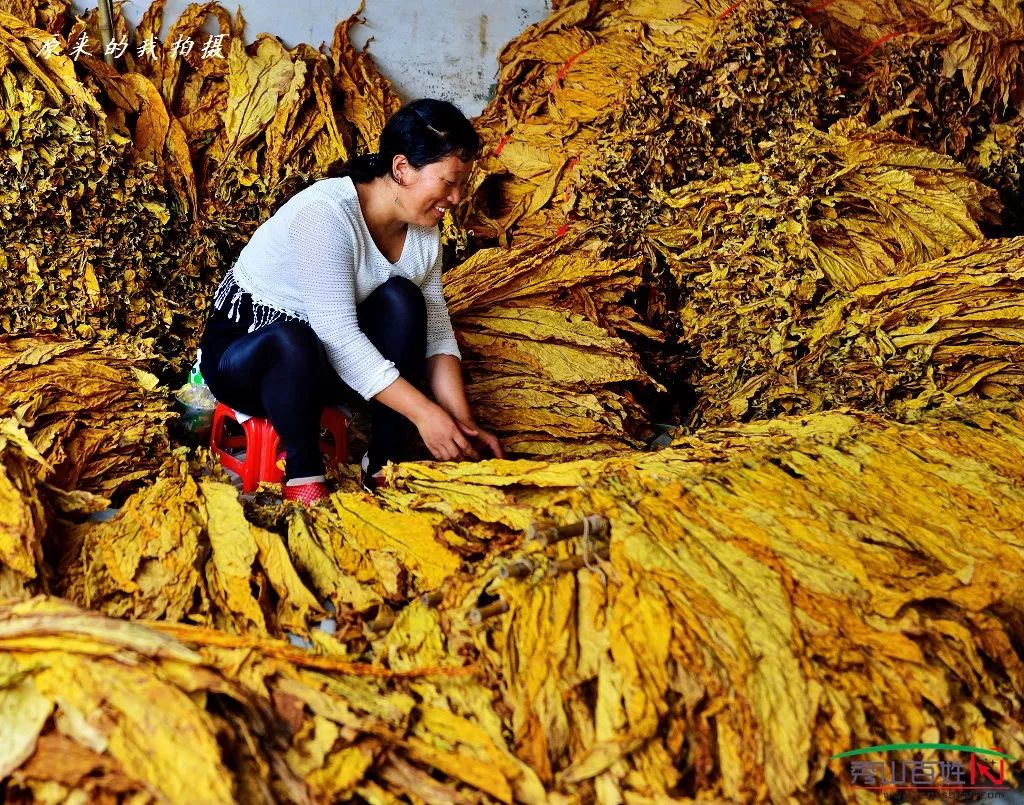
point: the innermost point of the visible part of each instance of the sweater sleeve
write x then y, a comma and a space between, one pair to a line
321, 244
440, 336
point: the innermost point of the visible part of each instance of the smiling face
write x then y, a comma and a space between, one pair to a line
428, 191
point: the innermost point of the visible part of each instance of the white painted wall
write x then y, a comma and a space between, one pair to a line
432, 48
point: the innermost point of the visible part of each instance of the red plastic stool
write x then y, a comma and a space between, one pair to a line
262, 444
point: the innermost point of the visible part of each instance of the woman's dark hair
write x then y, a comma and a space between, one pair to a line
424, 130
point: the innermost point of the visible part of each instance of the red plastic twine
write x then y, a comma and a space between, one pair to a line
879, 42
730, 9
564, 69
501, 145
562, 230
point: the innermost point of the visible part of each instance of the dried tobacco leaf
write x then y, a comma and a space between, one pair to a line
945, 75
103, 708
824, 561
358, 555
160, 172
961, 59
776, 592
948, 328
94, 412
998, 161
89, 234
556, 80
582, 140
772, 592
23, 517
183, 551
368, 97
47, 15
768, 254
535, 325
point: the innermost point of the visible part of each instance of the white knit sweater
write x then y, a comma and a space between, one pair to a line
314, 260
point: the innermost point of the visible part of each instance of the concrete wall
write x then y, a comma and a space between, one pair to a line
433, 48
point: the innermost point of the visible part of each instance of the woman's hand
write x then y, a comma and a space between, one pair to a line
482, 439
444, 436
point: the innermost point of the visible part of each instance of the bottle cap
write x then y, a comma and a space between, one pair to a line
195, 376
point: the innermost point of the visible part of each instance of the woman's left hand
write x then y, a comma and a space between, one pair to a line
481, 438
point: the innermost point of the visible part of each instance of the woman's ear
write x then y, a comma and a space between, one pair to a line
399, 168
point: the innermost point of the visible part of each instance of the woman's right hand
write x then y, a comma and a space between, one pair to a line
443, 436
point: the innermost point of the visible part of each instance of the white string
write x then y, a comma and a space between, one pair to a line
230, 293
224, 288
264, 315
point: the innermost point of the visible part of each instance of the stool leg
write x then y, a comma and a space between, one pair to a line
220, 442
341, 444
251, 468
216, 428
270, 472
335, 422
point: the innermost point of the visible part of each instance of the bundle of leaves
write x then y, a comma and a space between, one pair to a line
128, 191
946, 75
93, 411
770, 256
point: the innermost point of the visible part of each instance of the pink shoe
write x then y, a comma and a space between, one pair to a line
307, 494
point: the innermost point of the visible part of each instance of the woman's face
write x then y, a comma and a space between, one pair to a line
432, 189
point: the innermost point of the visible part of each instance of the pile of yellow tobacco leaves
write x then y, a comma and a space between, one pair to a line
948, 75
724, 167
94, 413
126, 193
716, 215
768, 595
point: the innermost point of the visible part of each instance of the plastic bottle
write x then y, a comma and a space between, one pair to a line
197, 401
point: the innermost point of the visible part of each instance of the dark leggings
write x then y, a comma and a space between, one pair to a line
282, 372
